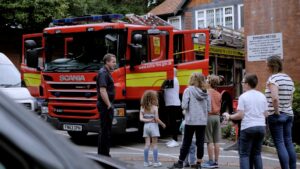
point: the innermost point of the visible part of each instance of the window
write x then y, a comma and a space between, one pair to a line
241, 15
213, 17
175, 21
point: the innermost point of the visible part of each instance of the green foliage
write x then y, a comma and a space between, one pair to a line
296, 100
228, 132
268, 141
37, 14
297, 148
31, 14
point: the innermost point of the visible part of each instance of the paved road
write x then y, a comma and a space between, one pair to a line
127, 149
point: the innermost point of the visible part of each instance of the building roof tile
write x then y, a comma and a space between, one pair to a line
168, 7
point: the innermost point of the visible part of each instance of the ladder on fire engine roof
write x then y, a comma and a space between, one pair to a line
147, 20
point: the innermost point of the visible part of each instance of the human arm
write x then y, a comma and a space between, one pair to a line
209, 107
185, 99
142, 119
275, 97
240, 110
104, 96
158, 120
237, 116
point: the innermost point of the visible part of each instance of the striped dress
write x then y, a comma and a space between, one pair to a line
285, 93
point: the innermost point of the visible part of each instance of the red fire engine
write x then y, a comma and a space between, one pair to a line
60, 66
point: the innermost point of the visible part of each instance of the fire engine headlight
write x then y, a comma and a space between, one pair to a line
119, 112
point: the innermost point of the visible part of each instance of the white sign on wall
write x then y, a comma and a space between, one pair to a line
260, 47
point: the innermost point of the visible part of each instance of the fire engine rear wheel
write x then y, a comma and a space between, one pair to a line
77, 134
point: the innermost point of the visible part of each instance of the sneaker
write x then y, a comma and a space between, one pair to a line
186, 165
176, 165
193, 165
210, 164
173, 143
169, 141
198, 166
215, 165
147, 164
234, 146
158, 164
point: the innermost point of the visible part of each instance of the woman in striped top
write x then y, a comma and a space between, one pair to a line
279, 94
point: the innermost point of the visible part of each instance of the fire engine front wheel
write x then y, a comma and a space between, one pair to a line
77, 134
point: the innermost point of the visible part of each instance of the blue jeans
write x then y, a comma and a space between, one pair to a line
281, 130
191, 158
250, 142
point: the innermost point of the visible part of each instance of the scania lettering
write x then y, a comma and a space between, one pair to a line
72, 78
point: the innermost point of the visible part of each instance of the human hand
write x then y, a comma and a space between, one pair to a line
163, 125
226, 115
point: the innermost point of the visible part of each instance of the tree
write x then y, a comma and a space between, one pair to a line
34, 15
31, 14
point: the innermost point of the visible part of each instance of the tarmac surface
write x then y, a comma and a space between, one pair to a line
167, 156
130, 150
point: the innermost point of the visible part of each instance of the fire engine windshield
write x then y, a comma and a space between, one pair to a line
82, 51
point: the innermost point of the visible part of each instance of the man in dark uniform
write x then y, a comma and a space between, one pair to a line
106, 95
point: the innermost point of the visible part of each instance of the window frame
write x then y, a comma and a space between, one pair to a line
239, 16
176, 17
215, 19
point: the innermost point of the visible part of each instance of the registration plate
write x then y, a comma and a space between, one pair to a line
72, 127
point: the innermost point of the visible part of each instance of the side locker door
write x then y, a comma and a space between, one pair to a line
152, 67
191, 54
32, 62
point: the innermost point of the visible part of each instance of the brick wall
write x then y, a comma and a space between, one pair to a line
274, 16
194, 3
188, 20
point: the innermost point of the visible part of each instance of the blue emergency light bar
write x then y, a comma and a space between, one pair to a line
92, 18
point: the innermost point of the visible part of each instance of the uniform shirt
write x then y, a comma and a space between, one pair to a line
285, 93
171, 95
105, 80
253, 103
216, 99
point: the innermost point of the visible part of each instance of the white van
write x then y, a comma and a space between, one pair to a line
10, 84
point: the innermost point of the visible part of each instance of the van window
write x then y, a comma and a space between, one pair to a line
9, 76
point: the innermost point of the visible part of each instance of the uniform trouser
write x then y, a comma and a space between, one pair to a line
189, 131
104, 139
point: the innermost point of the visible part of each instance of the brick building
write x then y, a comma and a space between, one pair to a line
275, 16
194, 14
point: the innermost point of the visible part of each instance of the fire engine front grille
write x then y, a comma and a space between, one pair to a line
73, 86
74, 108
72, 90
87, 94
76, 114
79, 111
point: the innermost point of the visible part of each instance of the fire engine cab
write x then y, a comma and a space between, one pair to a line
60, 66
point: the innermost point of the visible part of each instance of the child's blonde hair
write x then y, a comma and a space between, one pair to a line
213, 80
149, 99
197, 79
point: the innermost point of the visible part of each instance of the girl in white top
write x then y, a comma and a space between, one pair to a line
149, 115
252, 109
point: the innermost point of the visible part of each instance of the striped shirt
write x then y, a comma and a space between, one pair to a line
285, 93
